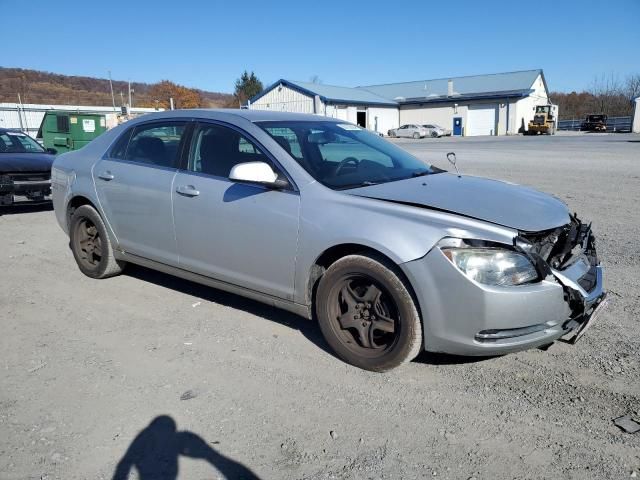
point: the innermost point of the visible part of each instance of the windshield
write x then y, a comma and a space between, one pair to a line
342, 155
18, 142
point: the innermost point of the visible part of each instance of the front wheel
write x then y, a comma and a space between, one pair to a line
416, 135
90, 244
367, 314
434, 134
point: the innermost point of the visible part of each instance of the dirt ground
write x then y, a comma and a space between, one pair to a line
217, 386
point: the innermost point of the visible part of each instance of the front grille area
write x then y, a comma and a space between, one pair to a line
25, 177
539, 120
560, 246
33, 185
588, 280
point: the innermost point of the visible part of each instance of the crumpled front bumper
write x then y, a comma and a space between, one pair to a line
464, 317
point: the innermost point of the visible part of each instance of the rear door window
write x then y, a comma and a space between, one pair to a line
156, 144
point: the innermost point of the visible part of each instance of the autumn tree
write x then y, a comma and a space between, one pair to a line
246, 87
183, 97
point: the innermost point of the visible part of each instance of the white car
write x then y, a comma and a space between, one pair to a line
436, 131
409, 131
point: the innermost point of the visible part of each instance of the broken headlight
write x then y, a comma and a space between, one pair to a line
493, 266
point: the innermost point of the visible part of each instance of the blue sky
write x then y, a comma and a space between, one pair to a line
207, 44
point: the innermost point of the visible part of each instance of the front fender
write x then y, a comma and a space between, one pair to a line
400, 232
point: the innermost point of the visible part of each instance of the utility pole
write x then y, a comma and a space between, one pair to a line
113, 99
26, 126
19, 114
130, 94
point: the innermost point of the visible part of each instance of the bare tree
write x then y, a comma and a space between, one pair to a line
609, 95
632, 86
315, 79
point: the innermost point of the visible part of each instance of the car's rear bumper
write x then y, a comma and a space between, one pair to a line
463, 317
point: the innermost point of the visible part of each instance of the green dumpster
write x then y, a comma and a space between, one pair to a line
66, 131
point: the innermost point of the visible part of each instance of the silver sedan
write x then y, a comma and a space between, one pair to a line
409, 131
322, 218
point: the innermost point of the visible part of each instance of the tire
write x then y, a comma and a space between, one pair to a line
367, 314
434, 134
416, 135
90, 244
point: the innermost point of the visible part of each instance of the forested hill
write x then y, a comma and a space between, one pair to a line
50, 88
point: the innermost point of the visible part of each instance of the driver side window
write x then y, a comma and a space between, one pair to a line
215, 150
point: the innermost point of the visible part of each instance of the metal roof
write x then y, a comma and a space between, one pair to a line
495, 85
480, 85
331, 93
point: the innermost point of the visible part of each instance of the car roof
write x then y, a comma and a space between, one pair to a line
230, 114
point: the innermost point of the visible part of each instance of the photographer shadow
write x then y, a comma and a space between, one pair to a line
155, 451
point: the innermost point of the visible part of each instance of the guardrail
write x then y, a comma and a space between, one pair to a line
614, 124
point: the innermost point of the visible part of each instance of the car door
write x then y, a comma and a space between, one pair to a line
134, 184
402, 131
243, 234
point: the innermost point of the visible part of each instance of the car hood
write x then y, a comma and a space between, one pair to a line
26, 162
502, 203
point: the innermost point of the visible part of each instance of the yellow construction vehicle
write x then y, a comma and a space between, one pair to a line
545, 120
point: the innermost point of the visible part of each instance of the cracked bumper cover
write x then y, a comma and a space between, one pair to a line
463, 317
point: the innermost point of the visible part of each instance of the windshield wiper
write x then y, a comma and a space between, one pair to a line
421, 173
366, 183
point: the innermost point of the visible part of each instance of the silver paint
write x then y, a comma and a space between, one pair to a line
264, 243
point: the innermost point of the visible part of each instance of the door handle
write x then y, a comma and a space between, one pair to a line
106, 176
188, 191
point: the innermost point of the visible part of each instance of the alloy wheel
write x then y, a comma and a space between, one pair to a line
366, 316
88, 243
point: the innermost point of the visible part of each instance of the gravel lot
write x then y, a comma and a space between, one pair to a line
87, 365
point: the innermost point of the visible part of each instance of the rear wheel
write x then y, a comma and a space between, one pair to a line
90, 244
367, 314
416, 135
434, 134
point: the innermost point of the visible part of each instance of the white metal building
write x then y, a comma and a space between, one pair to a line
494, 104
353, 105
28, 117
635, 119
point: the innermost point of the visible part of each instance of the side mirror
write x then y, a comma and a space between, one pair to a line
257, 172
52, 151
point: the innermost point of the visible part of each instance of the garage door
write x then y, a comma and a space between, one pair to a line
341, 113
481, 120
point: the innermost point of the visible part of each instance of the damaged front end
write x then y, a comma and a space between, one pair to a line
569, 254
